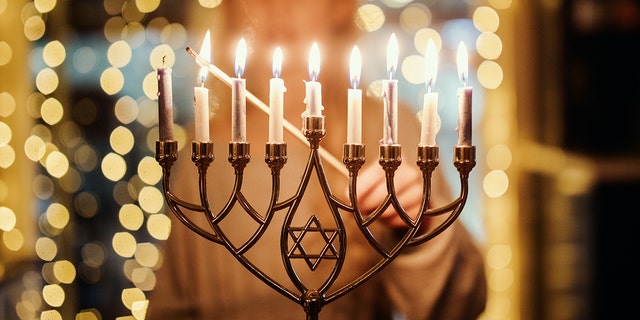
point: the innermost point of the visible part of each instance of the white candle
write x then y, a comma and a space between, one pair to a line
430, 104
201, 95
165, 103
201, 105
238, 96
390, 95
354, 107
276, 100
313, 97
464, 98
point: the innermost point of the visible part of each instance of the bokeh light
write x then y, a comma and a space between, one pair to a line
6, 53
34, 148
34, 28
54, 53
47, 81
369, 17
44, 6
8, 103
46, 248
113, 166
5, 134
121, 140
52, 111
7, 219
112, 80
124, 244
53, 295
119, 54
57, 164
131, 217
159, 226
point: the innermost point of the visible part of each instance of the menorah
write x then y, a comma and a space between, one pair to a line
311, 296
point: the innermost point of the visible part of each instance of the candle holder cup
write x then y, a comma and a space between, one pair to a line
312, 297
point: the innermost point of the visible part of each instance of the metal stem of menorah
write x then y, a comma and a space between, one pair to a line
312, 299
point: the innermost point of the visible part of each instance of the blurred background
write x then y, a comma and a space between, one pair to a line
556, 125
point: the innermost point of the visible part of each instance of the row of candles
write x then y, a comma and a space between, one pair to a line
313, 98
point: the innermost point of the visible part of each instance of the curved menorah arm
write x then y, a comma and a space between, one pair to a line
464, 161
390, 160
166, 155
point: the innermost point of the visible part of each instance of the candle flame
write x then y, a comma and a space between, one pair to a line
355, 66
314, 62
430, 65
392, 55
205, 53
277, 62
241, 57
463, 62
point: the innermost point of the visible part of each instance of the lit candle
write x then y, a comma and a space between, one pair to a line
313, 88
201, 95
464, 98
238, 96
276, 100
354, 115
165, 103
430, 104
390, 95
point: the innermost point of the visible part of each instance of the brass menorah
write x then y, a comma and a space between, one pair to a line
312, 299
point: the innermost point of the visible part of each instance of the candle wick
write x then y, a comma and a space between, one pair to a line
163, 59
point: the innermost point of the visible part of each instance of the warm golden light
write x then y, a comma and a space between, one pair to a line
57, 164
205, 53
53, 295
57, 215
146, 6
490, 74
47, 81
131, 217
119, 54
111, 80
5, 134
159, 226
355, 66
241, 57
46, 248
392, 55
430, 65
64, 271
113, 166
314, 62
149, 170
369, 17
131, 295
463, 63
147, 255
150, 199
277, 62
121, 140
7, 101
124, 244
54, 53
7, 219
